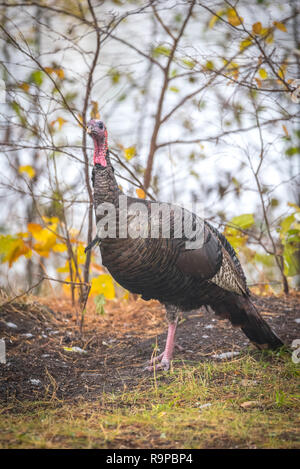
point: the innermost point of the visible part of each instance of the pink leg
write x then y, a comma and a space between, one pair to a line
166, 356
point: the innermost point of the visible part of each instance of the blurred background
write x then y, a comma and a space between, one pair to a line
201, 103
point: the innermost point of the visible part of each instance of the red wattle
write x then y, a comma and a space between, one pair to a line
100, 151
99, 158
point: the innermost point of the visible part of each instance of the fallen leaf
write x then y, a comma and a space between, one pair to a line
250, 404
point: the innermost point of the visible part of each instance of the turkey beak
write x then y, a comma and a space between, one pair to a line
88, 130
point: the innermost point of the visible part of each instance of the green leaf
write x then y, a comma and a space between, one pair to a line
286, 223
17, 108
209, 65
291, 261
100, 301
161, 50
243, 221
274, 202
114, 75
266, 259
189, 63
36, 77
291, 151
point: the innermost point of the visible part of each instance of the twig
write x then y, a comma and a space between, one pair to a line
39, 282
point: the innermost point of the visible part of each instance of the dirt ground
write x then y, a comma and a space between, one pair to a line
113, 350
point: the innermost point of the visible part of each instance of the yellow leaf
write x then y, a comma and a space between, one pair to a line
51, 219
24, 86
60, 122
29, 170
270, 38
215, 18
265, 31
28, 254
103, 285
263, 73
12, 248
95, 114
59, 247
67, 287
46, 238
282, 70
140, 193
65, 269
233, 18
209, 65
60, 73
126, 295
49, 70
233, 69
34, 228
245, 43
129, 153
257, 28
81, 254
22, 234
280, 26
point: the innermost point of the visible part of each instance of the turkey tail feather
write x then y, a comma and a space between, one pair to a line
242, 312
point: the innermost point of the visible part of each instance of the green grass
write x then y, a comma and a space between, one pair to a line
253, 404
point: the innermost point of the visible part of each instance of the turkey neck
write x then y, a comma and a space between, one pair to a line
105, 185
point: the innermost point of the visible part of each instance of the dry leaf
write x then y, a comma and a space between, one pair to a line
250, 404
285, 130
280, 26
257, 28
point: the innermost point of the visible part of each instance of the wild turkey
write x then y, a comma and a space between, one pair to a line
166, 268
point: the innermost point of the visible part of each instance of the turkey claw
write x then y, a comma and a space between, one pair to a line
163, 365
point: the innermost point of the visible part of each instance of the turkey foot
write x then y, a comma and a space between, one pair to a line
164, 364
164, 358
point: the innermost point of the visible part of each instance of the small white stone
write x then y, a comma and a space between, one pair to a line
12, 325
204, 406
35, 382
226, 355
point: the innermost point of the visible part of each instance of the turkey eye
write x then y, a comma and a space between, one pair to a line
100, 125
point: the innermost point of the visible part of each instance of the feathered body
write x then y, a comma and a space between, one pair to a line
163, 268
